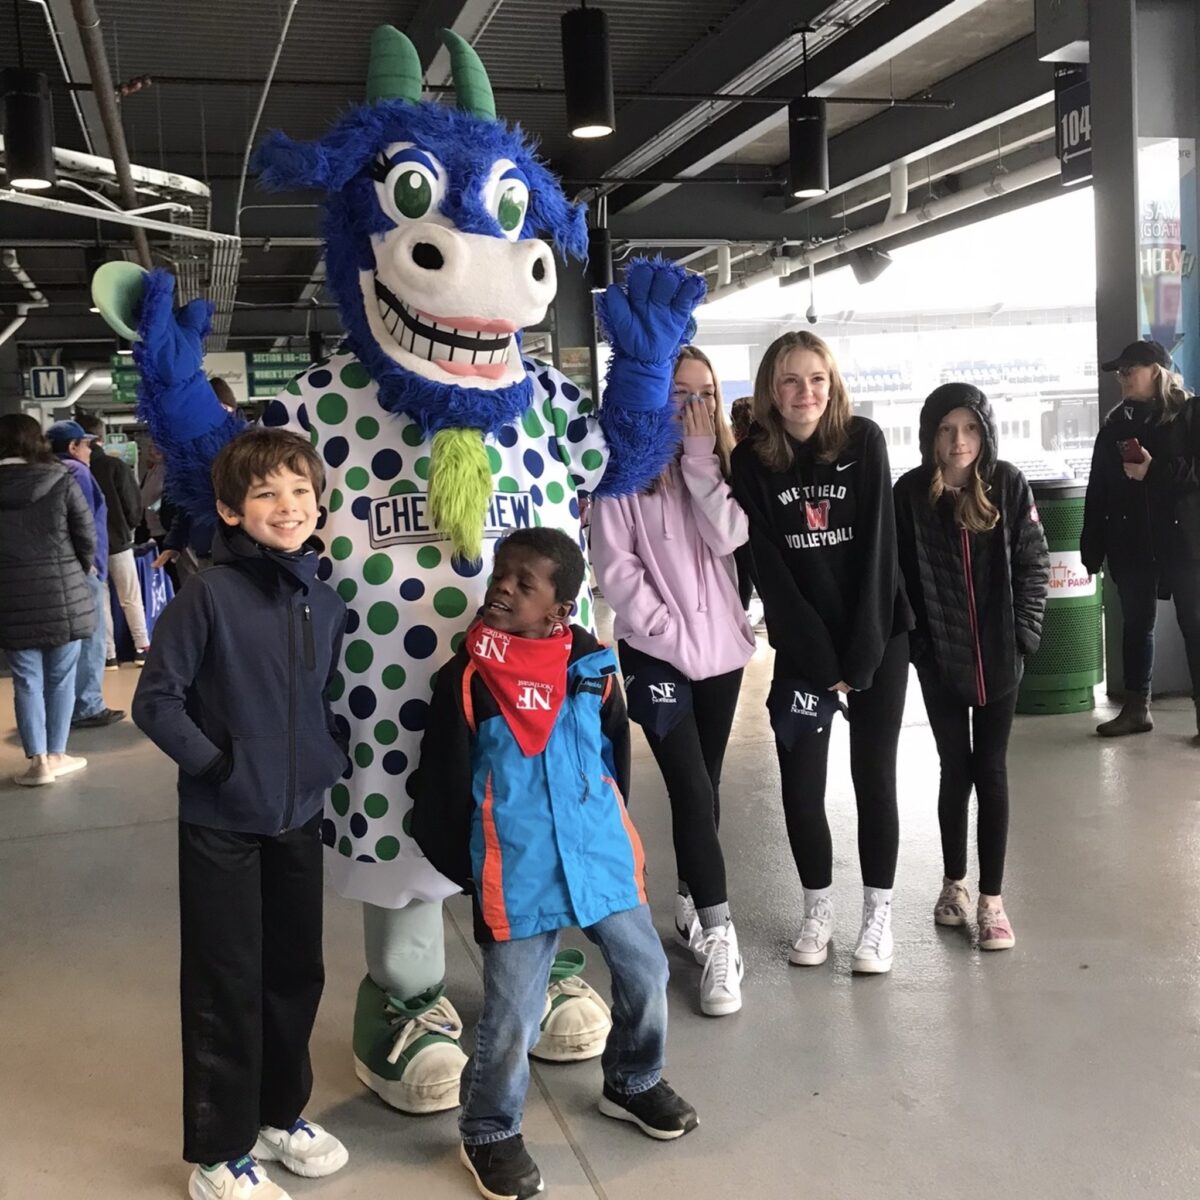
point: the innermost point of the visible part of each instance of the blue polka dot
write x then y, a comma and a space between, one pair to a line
410, 786
508, 436
548, 384
577, 430
324, 569
361, 507
536, 493
466, 567
570, 392
555, 449
328, 832
343, 726
386, 464
322, 517
275, 413
412, 589
533, 463
336, 451
574, 507
320, 379
353, 621
302, 417
364, 858
577, 481
420, 642
395, 762
358, 825
413, 715
362, 702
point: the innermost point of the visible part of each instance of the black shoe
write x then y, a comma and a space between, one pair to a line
111, 664
658, 1112
106, 716
503, 1170
139, 659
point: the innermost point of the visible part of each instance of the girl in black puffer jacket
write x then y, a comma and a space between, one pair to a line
976, 567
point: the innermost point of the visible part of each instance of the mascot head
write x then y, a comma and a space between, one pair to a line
434, 219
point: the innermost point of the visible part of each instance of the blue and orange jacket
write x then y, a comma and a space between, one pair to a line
541, 842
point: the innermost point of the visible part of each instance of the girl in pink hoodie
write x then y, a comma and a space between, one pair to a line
664, 561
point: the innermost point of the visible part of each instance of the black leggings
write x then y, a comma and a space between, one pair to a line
875, 715
972, 744
690, 758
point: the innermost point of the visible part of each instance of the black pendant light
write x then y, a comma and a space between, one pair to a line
28, 123
808, 145
600, 264
587, 72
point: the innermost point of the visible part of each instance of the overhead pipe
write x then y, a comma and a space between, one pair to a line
92, 378
36, 300
56, 39
898, 177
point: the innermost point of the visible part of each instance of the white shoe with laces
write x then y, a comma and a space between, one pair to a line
721, 980
687, 926
811, 948
873, 954
239, 1179
304, 1149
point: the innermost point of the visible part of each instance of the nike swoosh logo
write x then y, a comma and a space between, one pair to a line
845, 466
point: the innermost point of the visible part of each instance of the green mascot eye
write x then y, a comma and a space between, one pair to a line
413, 194
511, 211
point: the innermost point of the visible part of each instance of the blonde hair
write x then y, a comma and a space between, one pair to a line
973, 511
1169, 395
770, 439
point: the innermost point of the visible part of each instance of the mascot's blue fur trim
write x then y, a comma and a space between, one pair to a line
640, 446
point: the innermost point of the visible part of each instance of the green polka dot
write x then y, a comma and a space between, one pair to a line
344, 848
560, 422
428, 557
336, 499
412, 435
359, 656
377, 569
548, 410
387, 848
332, 408
555, 493
364, 755
357, 478
537, 519
393, 677
508, 484
341, 548
407, 823
531, 424
355, 375
456, 641
313, 436
583, 612
433, 681
386, 732
337, 686
592, 459
375, 805
402, 487
585, 406
421, 466
339, 797
382, 617
449, 602
293, 388
366, 428
494, 460
347, 589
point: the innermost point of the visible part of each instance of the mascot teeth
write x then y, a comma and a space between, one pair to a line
437, 341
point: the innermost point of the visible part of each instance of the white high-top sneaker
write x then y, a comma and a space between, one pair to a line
721, 980
873, 954
687, 926
811, 948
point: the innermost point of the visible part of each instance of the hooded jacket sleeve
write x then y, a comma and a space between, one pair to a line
614, 724
1179, 474
719, 517
1095, 505
620, 571
1030, 569
920, 643
794, 627
80, 526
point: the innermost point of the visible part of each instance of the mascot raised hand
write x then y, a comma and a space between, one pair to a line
438, 437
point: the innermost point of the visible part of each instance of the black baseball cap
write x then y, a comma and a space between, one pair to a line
1146, 353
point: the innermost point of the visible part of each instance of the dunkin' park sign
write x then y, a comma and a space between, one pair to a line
1068, 576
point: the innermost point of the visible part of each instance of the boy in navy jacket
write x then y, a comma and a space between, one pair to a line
520, 800
234, 690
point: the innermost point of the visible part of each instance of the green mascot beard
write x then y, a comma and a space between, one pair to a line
460, 489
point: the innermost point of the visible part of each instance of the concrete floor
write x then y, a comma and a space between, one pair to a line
1069, 1067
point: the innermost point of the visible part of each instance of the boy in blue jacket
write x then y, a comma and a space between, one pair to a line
520, 800
234, 690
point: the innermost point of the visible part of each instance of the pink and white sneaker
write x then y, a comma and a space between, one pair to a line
995, 929
951, 906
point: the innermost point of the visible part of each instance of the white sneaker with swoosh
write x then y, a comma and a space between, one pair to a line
239, 1179
304, 1149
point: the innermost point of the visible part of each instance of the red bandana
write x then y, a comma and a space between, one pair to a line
527, 677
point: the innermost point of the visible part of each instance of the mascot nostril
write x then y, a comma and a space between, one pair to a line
428, 257
539, 269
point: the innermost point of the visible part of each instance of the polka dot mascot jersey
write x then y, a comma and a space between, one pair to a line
410, 600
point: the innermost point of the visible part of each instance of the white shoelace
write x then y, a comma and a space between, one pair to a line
873, 931
574, 985
715, 948
815, 921
440, 1018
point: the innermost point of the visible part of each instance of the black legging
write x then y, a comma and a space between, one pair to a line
690, 758
875, 715
972, 744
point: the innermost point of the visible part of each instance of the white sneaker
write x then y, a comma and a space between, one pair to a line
240, 1179
687, 926
873, 954
721, 980
66, 764
304, 1149
811, 948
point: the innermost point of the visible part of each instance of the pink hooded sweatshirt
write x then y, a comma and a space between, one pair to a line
664, 561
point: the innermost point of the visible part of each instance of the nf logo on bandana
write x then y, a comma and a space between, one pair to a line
804, 703
534, 696
662, 693
491, 645
817, 514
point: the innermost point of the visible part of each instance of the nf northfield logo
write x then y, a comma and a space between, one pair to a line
804, 702
533, 696
492, 645
662, 693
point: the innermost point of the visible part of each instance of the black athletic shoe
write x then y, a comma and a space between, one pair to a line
658, 1112
106, 716
503, 1170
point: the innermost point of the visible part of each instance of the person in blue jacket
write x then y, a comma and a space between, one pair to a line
520, 799
235, 691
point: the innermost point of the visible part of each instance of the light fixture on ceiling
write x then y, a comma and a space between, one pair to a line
28, 129
808, 146
587, 72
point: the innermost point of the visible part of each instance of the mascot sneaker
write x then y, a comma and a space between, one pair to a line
576, 1020
304, 1149
239, 1179
407, 1051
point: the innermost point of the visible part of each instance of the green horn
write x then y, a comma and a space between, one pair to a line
395, 70
471, 82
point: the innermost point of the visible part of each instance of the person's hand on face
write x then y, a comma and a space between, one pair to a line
697, 421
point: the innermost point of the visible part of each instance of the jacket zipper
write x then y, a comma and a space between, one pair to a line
973, 615
290, 804
310, 649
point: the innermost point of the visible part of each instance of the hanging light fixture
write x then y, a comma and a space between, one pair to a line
808, 145
587, 72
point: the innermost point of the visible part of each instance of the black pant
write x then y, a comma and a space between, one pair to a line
250, 982
690, 758
875, 715
972, 744
1139, 606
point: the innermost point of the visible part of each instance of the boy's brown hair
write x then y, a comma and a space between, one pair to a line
258, 453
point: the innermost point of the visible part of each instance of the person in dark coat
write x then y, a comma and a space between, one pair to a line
976, 568
1142, 515
47, 548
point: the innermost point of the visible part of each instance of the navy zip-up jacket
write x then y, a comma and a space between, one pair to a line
234, 689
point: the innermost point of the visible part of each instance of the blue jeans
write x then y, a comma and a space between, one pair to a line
515, 975
44, 696
89, 699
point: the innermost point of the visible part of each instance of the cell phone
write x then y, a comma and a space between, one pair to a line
1131, 450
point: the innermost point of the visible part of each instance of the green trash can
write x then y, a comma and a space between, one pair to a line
1061, 676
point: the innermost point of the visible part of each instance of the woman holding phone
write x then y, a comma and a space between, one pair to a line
1142, 514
